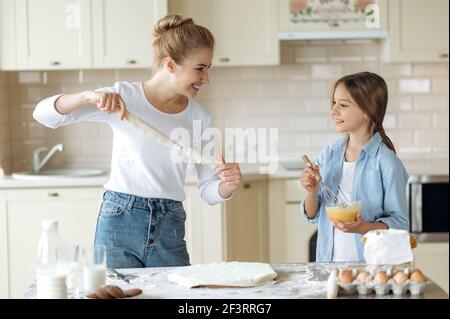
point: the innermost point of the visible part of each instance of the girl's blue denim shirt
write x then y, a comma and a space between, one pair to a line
379, 182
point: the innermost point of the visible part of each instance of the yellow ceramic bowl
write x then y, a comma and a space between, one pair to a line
344, 215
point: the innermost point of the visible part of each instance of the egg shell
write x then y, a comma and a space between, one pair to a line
381, 278
345, 276
364, 277
400, 277
418, 276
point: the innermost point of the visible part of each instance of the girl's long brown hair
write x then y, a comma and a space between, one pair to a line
369, 91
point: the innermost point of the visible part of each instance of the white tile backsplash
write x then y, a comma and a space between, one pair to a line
293, 97
415, 121
326, 71
414, 86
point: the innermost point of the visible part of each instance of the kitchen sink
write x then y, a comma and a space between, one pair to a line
292, 165
59, 173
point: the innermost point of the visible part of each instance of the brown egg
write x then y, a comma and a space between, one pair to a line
364, 277
381, 278
345, 276
418, 276
416, 269
396, 271
400, 277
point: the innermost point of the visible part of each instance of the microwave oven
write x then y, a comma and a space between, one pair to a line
428, 207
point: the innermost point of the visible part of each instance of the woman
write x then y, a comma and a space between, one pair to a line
142, 220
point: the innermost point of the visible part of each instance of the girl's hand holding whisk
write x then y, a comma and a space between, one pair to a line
309, 178
358, 226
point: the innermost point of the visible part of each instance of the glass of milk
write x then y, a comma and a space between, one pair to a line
72, 261
94, 268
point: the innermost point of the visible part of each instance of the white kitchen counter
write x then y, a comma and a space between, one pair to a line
294, 281
250, 172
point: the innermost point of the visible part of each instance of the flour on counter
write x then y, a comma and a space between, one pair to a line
228, 274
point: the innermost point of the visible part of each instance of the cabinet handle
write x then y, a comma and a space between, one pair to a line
224, 60
333, 24
55, 63
53, 194
131, 61
443, 56
247, 186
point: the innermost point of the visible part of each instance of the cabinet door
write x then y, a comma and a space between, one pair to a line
76, 211
55, 34
289, 233
298, 234
122, 32
432, 259
4, 288
246, 223
418, 31
245, 31
204, 228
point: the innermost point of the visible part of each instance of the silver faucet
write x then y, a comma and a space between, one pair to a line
38, 163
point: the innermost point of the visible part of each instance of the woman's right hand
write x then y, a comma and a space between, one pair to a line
108, 102
308, 178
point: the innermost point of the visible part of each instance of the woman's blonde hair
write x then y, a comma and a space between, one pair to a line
177, 37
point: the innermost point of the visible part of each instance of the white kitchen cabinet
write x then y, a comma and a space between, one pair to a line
303, 20
418, 31
4, 280
246, 223
245, 31
289, 233
122, 32
48, 34
77, 34
204, 228
21, 213
432, 259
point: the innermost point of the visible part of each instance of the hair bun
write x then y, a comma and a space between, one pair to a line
169, 22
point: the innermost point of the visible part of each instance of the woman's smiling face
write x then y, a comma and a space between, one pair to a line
192, 73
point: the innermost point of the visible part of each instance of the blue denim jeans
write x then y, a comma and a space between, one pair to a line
141, 232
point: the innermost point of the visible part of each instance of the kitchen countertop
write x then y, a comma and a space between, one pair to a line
294, 281
250, 172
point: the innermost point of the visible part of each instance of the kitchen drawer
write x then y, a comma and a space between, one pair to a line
53, 193
294, 193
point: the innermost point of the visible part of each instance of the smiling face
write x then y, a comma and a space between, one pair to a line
189, 76
348, 117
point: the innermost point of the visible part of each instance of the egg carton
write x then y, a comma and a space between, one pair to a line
411, 286
414, 287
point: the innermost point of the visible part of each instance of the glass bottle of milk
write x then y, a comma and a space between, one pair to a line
51, 273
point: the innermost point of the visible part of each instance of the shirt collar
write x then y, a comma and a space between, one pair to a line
373, 145
370, 148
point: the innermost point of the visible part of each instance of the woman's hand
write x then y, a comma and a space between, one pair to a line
358, 227
308, 178
107, 102
231, 175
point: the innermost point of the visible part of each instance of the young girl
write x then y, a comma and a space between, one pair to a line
362, 166
142, 220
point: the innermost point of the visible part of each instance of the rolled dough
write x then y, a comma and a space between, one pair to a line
223, 274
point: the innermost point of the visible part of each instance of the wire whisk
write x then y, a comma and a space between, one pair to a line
330, 198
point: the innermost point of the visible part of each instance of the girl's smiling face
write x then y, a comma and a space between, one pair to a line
346, 114
192, 73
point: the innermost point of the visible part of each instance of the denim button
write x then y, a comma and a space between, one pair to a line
151, 240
